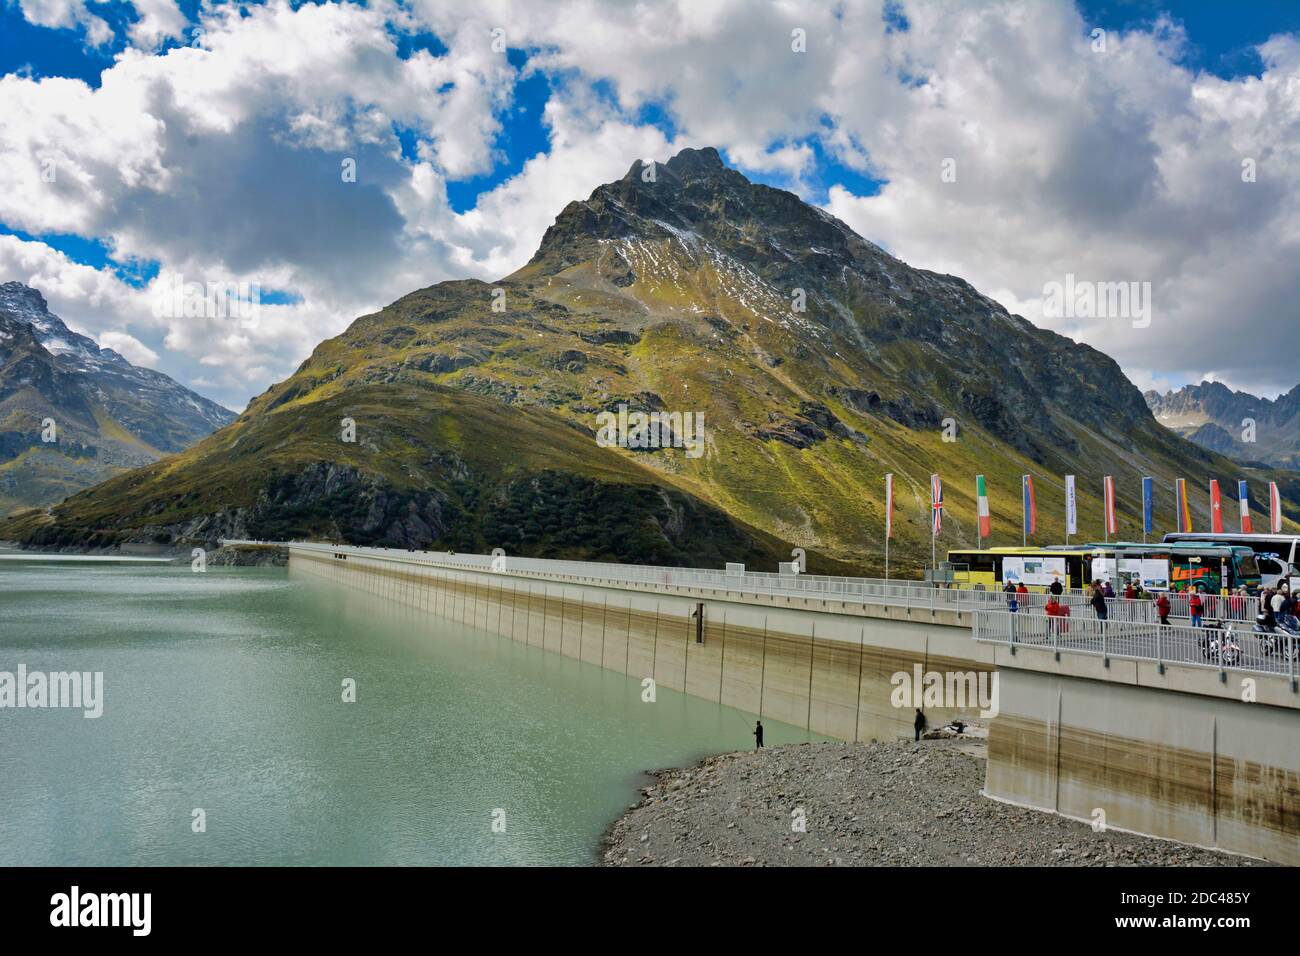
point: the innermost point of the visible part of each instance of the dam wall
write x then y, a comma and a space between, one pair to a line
818, 664
1178, 754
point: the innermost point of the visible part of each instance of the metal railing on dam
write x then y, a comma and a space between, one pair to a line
1221, 649
846, 590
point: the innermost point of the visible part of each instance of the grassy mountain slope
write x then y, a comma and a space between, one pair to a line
818, 361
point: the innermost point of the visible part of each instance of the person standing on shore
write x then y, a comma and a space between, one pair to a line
919, 724
758, 734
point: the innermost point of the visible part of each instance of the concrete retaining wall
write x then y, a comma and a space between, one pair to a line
824, 668
1211, 771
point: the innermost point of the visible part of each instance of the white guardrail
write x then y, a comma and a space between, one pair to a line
875, 591
1234, 647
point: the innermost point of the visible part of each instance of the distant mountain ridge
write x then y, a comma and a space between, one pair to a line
819, 362
108, 415
1220, 419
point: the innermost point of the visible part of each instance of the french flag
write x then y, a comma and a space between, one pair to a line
1243, 502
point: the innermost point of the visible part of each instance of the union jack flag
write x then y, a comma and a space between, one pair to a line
936, 504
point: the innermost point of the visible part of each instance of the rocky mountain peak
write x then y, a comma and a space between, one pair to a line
1211, 414
16, 295
699, 209
111, 414
28, 306
686, 166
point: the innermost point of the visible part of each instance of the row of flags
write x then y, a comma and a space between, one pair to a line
1182, 506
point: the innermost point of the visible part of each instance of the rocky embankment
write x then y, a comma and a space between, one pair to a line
248, 556
886, 804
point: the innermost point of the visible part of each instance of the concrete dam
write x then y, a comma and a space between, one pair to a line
1123, 725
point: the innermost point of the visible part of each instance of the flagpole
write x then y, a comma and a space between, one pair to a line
1024, 511
889, 517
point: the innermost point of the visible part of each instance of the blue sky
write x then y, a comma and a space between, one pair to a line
476, 155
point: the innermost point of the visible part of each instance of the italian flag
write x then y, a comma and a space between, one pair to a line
982, 496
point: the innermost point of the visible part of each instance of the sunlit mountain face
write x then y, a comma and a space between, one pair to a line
470, 414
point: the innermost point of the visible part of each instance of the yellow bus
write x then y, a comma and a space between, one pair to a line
1036, 567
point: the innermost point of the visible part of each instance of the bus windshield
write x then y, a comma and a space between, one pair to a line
1247, 566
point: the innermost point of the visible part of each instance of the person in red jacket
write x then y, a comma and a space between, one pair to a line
1162, 608
1195, 608
1056, 610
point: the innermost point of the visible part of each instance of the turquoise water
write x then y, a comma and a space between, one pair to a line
223, 691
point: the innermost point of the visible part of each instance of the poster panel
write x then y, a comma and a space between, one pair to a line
1155, 574
1033, 571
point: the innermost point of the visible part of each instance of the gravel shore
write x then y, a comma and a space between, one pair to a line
885, 804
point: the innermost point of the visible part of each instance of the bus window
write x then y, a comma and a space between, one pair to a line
1246, 570
1269, 567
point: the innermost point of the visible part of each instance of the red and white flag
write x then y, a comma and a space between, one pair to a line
1274, 508
936, 504
1216, 507
889, 505
1108, 485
